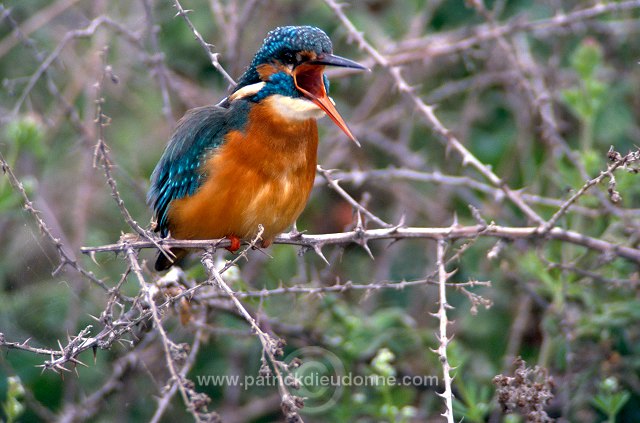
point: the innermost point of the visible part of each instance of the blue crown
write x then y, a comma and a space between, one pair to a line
282, 41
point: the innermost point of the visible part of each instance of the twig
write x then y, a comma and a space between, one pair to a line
427, 112
71, 111
88, 31
442, 44
206, 46
92, 404
177, 378
24, 346
270, 347
359, 176
66, 258
311, 241
34, 23
165, 400
333, 183
618, 161
347, 286
101, 154
442, 336
158, 63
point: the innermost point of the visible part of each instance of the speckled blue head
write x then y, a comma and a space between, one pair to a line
283, 43
291, 63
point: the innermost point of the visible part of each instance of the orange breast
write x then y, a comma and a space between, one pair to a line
262, 176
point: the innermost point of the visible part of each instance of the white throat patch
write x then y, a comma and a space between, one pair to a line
295, 108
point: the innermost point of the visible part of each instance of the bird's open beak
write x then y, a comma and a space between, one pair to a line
309, 81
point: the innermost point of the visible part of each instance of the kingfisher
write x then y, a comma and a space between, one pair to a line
251, 159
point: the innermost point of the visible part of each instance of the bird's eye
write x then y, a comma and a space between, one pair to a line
288, 58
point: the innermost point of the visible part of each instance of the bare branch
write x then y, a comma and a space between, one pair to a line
333, 183
270, 347
618, 161
443, 339
88, 31
66, 258
311, 241
428, 114
206, 46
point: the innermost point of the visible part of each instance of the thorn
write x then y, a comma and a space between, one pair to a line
61, 367
365, 246
76, 361
92, 255
295, 233
183, 12
318, 250
58, 269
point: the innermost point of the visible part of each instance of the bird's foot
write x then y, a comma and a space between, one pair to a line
235, 243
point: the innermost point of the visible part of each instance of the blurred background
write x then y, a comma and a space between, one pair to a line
536, 90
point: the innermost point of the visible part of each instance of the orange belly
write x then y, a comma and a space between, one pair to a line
263, 175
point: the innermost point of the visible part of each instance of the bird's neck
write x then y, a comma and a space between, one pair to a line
293, 109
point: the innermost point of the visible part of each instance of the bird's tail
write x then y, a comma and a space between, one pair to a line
163, 262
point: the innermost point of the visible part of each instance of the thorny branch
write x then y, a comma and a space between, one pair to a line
159, 64
428, 113
88, 31
271, 348
101, 154
172, 352
206, 46
147, 310
359, 236
165, 400
442, 336
618, 160
357, 177
437, 45
66, 259
333, 183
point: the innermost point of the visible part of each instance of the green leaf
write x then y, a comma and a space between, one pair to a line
12, 406
587, 58
27, 132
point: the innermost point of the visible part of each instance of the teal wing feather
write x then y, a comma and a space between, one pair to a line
179, 172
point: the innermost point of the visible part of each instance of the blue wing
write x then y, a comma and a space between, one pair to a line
179, 172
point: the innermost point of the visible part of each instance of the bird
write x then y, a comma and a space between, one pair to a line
251, 159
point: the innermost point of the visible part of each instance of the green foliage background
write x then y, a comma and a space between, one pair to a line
580, 322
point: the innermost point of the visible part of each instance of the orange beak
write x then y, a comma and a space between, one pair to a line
308, 78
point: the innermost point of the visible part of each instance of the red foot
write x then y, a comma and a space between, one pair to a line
235, 243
